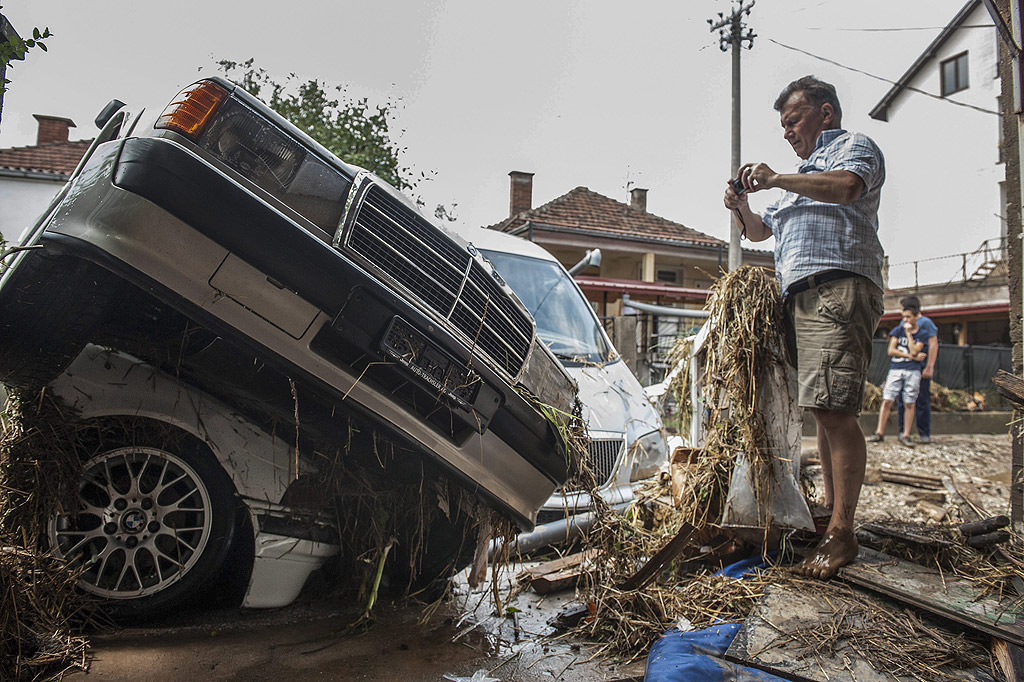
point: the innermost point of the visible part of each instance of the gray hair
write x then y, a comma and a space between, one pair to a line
816, 91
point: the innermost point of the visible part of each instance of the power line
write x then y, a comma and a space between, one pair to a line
885, 80
896, 30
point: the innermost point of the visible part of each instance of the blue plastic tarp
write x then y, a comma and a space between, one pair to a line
692, 656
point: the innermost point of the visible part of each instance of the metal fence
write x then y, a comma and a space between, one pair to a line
957, 367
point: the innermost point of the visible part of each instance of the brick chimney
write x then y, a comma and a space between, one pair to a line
520, 197
638, 199
52, 129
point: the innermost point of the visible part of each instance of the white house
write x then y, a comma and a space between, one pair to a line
30, 176
941, 133
942, 147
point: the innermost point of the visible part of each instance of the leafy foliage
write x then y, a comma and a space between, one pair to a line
15, 48
353, 129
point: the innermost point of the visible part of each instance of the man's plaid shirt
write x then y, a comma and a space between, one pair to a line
812, 236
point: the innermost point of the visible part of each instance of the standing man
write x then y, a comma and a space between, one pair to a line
923, 407
829, 262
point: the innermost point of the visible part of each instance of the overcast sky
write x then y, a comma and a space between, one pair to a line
607, 95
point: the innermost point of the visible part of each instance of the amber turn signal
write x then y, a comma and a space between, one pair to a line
192, 109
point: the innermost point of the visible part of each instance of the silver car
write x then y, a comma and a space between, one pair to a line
236, 285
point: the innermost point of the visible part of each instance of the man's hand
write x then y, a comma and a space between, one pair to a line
927, 372
751, 224
734, 201
756, 176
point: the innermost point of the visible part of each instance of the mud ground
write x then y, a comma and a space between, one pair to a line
313, 638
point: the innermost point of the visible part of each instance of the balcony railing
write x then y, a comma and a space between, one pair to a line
985, 264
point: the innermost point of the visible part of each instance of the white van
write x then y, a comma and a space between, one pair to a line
627, 441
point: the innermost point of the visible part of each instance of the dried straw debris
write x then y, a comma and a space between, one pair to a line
41, 613
889, 639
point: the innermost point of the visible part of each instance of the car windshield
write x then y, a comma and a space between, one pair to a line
565, 321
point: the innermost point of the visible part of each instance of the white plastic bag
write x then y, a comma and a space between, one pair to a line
784, 506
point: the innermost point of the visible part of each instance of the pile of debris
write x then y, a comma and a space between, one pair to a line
943, 399
41, 612
924, 602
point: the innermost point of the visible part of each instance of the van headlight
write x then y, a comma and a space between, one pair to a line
258, 150
648, 453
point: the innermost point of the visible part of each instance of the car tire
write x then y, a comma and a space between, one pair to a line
55, 305
449, 547
157, 515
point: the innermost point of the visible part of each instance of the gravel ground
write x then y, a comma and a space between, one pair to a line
976, 464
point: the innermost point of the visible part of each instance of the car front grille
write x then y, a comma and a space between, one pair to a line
603, 454
395, 240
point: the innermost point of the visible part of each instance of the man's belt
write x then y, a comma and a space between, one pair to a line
817, 278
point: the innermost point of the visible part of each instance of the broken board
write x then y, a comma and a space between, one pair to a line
558, 574
765, 642
949, 597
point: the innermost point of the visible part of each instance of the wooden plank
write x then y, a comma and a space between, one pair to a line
943, 595
687, 535
558, 574
559, 580
1009, 386
558, 565
907, 536
1010, 658
915, 480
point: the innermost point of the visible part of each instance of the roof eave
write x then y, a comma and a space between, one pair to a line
31, 174
880, 112
565, 229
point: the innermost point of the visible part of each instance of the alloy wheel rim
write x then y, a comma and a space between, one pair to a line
143, 520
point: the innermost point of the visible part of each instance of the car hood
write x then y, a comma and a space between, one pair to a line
613, 400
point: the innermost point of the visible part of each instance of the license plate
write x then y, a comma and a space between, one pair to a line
450, 378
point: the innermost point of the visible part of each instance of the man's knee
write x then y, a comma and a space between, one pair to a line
836, 419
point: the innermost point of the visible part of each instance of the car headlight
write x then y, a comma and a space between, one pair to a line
259, 151
647, 454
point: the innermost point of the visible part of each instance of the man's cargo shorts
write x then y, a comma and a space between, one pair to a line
828, 337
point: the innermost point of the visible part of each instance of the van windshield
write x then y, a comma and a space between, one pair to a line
565, 321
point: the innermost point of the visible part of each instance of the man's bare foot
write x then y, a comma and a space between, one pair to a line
835, 550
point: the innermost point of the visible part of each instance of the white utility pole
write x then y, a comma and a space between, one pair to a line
732, 33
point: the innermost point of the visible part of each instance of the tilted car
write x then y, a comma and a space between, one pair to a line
232, 281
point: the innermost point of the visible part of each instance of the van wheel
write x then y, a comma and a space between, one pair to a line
155, 519
53, 306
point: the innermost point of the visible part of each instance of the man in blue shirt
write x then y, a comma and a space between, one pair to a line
906, 349
829, 262
923, 406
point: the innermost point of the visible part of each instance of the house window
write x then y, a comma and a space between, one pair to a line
667, 276
954, 74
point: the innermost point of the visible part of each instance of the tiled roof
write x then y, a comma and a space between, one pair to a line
582, 210
57, 159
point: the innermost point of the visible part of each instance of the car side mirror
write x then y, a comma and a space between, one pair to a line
113, 106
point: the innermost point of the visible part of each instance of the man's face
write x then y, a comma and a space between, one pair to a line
802, 122
910, 318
